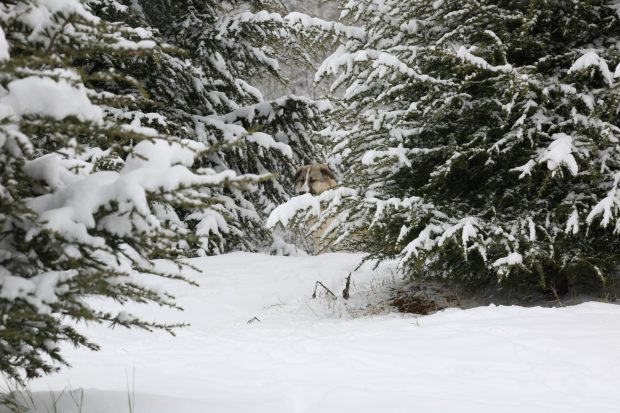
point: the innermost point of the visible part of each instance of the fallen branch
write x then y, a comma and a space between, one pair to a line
555, 294
347, 286
326, 289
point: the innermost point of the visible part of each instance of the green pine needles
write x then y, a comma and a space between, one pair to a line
121, 143
479, 139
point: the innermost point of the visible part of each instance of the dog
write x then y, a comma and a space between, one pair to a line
315, 179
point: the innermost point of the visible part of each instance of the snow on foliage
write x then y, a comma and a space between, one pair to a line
282, 214
590, 59
118, 147
442, 102
36, 95
512, 259
215, 100
608, 207
559, 152
300, 19
267, 142
468, 57
4, 47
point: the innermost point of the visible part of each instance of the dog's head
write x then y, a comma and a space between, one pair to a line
314, 178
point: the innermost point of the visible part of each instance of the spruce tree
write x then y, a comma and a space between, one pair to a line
95, 166
131, 131
480, 139
209, 94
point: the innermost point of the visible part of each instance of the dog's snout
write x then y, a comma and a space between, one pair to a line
304, 189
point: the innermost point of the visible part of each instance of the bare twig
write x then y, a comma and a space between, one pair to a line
555, 294
78, 402
347, 286
50, 47
131, 392
324, 287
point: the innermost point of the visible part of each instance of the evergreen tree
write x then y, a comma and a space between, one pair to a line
480, 138
104, 139
209, 95
131, 131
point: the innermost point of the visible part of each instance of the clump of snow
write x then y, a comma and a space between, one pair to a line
140, 31
381, 61
294, 19
136, 127
285, 212
53, 169
592, 59
125, 317
469, 230
12, 287
466, 55
467, 226
4, 47
560, 152
512, 259
266, 141
352, 32
39, 15
49, 16
400, 153
124, 44
67, 7
608, 206
36, 95
424, 241
572, 224
532, 227
159, 154
526, 170
39, 291
617, 71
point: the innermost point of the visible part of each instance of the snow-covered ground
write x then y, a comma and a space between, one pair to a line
323, 355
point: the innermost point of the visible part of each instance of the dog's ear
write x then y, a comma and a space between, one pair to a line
298, 173
326, 172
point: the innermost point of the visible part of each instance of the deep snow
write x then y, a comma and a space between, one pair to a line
323, 355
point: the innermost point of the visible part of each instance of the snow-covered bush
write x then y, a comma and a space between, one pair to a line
480, 138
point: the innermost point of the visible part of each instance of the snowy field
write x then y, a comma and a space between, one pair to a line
323, 355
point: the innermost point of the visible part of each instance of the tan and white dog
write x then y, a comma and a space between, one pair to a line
315, 179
